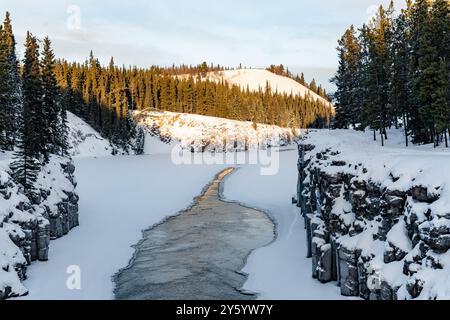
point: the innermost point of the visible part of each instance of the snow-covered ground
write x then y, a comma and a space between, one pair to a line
84, 140
416, 165
279, 270
256, 79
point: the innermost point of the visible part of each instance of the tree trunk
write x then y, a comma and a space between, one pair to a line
382, 137
434, 138
445, 138
406, 130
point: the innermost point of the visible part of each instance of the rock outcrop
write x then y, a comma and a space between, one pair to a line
379, 239
28, 223
198, 133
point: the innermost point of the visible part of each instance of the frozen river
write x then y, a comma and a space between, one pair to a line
197, 254
121, 196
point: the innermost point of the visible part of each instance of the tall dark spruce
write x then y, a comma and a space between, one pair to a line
52, 105
26, 165
346, 80
10, 87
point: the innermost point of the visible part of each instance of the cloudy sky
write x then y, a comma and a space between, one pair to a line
298, 33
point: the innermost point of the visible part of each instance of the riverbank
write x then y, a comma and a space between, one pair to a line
281, 269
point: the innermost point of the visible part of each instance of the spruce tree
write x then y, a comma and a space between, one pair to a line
419, 15
428, 76
32, 97
62, 147
26, 165
313, 86
346, 80
51, 102
4, 103
440, 22
399, 91
404, 73
302, 79
377, 107
10, 100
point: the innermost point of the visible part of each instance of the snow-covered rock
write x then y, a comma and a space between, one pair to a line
201, 133
27, 225
382, 214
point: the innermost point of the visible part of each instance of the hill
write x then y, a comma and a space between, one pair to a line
256, 79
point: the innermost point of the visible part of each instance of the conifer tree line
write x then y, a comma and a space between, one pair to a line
184, 69
33, 122
204, 68
281, 70
106, 97
395, 71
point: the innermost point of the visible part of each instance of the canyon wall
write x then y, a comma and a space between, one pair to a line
28, 223
378, 239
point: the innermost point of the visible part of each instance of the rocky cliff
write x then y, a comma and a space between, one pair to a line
27, 224
379, 229
197, 133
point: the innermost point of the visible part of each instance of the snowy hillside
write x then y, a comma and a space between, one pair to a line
384, 212
256, 79
201, 133
84, 140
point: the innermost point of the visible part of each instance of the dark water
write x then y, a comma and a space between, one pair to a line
197, 254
